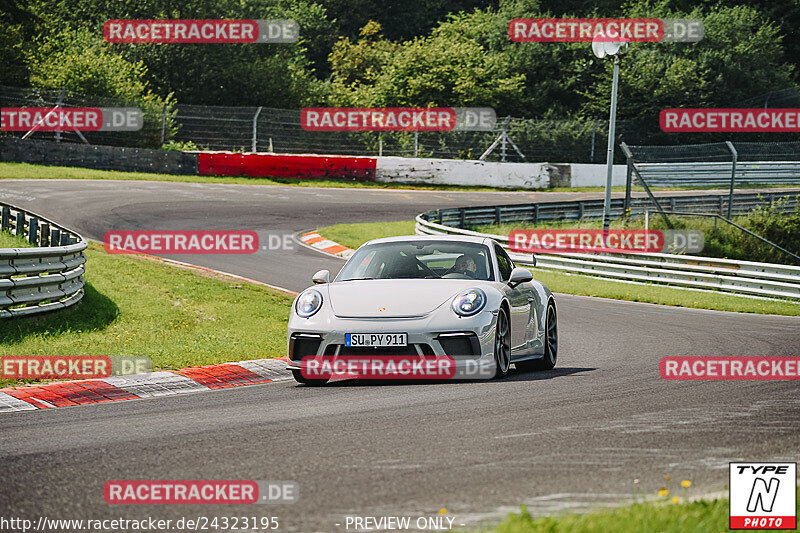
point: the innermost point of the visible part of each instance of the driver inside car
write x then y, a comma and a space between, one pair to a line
465, 265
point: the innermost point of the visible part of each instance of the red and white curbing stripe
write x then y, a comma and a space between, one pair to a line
315, 240
136, 386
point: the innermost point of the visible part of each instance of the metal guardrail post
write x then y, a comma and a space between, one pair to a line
33, 230
735, 156
628, 179
19, 229
255, 130
163, 124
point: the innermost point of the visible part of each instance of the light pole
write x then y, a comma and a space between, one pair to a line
602, 49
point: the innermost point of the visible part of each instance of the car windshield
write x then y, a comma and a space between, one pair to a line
419, 260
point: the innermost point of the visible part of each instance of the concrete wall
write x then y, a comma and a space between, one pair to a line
414, 170
460, 172
13, 149
594, 175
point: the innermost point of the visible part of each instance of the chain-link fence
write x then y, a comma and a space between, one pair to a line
265, 129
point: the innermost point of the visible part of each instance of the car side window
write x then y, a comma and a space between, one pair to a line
504, 263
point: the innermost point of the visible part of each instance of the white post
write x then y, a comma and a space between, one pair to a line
610, 157
255, 130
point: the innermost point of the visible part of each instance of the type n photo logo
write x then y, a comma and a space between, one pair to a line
763, 495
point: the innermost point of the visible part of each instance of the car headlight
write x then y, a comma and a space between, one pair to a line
308, 303
469, 302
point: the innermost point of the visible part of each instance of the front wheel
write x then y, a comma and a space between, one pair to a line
502, 345
298, 377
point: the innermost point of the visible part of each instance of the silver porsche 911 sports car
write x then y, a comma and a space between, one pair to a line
427, 296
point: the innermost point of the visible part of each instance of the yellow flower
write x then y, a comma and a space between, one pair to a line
442, 511
668, 478
675, 499
663, 492
686, 483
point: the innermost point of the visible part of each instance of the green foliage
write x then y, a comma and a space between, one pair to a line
78, 60
229, 74
739, 56
81, 62
415, 53
450, 67
781, 228
177, 146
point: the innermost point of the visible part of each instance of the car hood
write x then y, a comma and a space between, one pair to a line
393, 298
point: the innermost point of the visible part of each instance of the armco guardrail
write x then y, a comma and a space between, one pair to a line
43, 278
719, 173
463, 217
738, 277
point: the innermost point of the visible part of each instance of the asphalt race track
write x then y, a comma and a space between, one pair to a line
598, 429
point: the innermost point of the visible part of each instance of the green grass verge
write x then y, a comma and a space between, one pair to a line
178, 317
353, 235
700, 516
7, 240
26, 171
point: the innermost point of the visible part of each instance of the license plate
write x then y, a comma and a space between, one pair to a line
376, 339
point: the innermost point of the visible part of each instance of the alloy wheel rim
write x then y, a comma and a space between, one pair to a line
552, 334
502, 344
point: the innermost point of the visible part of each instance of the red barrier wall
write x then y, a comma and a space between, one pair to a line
286, 166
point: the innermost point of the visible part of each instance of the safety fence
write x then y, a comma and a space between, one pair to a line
273, 130
44, 277
742, 278
743, 203
714, 164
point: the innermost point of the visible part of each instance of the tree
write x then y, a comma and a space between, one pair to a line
739, 57
447, 68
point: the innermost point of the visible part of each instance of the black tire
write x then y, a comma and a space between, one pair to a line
548, 362
502, 345
298, 377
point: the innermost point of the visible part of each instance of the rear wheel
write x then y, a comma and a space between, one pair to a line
298, 376
550, 344
502, 345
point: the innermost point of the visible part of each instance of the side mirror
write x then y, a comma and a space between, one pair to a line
323, 276
519, 275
